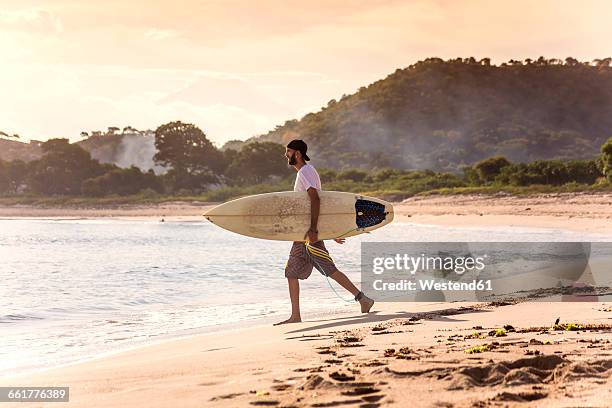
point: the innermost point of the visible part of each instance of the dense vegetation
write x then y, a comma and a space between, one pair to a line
442, 115
197, 168
193, 166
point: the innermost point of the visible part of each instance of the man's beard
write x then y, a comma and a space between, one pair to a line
292, 160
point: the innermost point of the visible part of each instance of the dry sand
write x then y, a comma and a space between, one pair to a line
584, 212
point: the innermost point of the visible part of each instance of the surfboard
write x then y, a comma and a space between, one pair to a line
285, 216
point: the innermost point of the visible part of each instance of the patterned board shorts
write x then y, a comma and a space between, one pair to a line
304, 256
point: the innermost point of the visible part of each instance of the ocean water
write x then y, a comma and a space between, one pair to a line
72, 289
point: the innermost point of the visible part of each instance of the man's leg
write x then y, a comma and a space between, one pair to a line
345, 282
294, 295
325, 264
298, 267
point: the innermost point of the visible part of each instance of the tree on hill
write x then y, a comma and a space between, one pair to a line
194, 161
184, 147
122, 182
17, 174
606, 159
7, 136
489, 168
256, 162
62, 168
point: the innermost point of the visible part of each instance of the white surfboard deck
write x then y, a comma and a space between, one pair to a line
285, 216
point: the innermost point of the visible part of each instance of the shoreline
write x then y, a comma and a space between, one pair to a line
219, 329
349, 358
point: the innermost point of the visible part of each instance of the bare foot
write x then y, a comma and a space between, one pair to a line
366, 304
289, 320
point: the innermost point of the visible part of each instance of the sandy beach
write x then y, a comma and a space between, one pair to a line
421, 354
445, 355
573, 211
584, 212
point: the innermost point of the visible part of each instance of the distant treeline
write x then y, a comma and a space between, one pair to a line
197, 167
194, 166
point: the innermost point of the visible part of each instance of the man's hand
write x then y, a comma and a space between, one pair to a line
313, 236
340, 240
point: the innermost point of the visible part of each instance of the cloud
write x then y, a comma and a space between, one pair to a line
31, 20
161, 34
224, 90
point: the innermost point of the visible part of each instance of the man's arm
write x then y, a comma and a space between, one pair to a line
315, 206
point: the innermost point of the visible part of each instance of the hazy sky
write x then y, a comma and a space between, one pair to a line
238, 68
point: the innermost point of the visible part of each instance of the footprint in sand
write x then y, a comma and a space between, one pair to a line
335, 403
339, 376
227, 396
520, 396
360, 391
265, 403
325, 350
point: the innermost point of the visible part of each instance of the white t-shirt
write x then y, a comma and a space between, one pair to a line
307, 177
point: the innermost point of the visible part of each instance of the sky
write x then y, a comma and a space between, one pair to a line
238, 68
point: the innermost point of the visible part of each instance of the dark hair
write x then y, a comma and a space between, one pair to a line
299, 145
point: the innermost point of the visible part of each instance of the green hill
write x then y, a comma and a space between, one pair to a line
435, 114
440, 115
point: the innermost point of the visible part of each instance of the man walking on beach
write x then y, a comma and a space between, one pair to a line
304, 256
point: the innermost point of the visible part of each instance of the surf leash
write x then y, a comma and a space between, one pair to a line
327, 277
336, 293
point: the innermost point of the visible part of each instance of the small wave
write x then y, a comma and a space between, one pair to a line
12, 318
